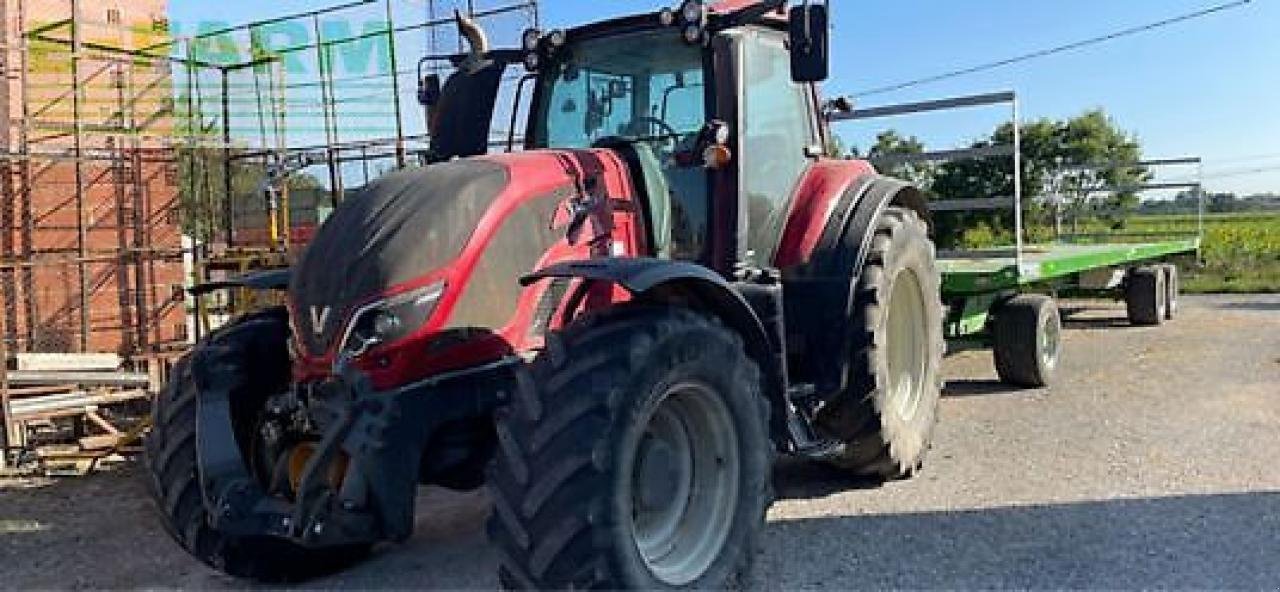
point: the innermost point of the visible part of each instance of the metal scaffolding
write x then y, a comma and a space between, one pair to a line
109, 111
136, 161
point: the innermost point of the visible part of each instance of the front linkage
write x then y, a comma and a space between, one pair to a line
357, 483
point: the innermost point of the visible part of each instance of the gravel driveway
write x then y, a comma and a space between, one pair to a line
1154, 462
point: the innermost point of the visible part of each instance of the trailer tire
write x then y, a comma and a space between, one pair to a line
886, 424
1145, 296
601, 479
1027, 333
1173, 289
172, 472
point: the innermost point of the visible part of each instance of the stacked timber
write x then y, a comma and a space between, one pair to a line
74, 408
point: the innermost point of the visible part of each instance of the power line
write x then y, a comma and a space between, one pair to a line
1243, 173
1230, 173
1053, 50
1238, 159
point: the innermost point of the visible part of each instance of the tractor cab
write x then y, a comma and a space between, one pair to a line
670, 92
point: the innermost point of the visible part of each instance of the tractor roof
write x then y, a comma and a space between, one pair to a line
728, 6
649, 19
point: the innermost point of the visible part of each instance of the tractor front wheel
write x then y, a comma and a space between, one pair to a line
254, 347
634, 456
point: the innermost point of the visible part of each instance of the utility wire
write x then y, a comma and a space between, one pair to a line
1053, 50
1242, 173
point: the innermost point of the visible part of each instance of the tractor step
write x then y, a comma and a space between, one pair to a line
801, 392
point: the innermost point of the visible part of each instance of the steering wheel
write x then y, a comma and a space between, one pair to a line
671, 135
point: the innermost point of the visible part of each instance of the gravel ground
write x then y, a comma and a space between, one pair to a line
1152, 463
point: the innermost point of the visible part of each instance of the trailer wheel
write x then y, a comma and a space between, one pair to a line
257, 344
1173, 289
1145, 295
1027, 335
887, 414
635, 455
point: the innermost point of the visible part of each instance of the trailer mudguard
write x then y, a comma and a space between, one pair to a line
820, 292
697, 287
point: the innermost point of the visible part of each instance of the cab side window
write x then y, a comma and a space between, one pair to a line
777, 131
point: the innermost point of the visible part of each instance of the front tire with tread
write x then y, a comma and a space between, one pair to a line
564, 515
256, 345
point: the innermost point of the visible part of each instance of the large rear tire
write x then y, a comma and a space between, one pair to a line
635, 456
256, 347
886, 416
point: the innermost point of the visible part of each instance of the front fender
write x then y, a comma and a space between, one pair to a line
697, 287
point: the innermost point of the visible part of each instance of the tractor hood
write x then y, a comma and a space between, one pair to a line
399, 228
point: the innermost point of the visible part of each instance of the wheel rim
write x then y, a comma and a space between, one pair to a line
907, 345
1050, 339
684, 483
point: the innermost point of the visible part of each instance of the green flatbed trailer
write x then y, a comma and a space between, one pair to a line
1002, 298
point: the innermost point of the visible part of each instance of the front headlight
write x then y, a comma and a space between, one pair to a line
390, 320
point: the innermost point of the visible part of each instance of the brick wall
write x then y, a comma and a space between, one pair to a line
131, 267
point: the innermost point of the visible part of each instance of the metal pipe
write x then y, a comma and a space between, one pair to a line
280, 19
228, 207
926, 106
78, 131
8, 201
1200, 203
428, 25
6, 412
1017, 185
51, 378
395, 87
24, 146
326, 106
122, 235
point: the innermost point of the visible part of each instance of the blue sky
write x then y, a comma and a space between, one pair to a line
1208, 87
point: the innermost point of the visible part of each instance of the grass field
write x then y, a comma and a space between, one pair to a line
1241, 252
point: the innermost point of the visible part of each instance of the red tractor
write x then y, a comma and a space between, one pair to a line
615, 329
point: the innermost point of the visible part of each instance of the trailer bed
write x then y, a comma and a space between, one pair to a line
996, 269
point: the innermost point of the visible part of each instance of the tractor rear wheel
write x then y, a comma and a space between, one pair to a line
635, 455
886, 416
255, 346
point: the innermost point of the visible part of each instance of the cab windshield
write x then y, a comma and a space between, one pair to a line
646, 87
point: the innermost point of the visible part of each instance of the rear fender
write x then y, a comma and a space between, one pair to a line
698, 288
820, 292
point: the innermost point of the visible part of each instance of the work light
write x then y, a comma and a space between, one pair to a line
529, 40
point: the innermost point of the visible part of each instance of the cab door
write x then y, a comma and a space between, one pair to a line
778, 139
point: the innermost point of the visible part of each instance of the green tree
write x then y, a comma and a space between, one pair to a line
1067, 168
890, 144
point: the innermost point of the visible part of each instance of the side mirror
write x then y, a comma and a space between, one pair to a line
810, 43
